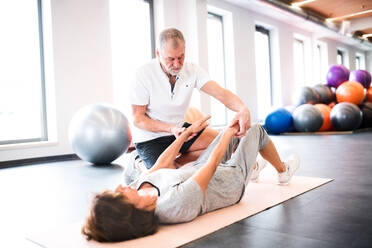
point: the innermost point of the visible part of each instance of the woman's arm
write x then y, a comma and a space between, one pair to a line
205, 173
166, 159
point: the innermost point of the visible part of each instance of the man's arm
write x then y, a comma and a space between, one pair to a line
141, 120
205, 173
233, 102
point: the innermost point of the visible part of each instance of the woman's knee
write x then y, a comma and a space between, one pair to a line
258, 131
255, 128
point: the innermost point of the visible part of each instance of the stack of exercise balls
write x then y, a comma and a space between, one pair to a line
343, 104
347, 114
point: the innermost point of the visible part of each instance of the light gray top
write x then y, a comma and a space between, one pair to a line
181, 198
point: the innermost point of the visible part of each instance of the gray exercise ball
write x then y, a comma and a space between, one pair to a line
307, 118
306, 95
346, 116
99, 133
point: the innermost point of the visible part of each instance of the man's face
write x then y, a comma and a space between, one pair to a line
171, 57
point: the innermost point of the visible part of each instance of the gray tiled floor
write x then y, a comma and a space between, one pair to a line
338, 214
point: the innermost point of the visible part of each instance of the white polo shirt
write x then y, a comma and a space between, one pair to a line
151, 87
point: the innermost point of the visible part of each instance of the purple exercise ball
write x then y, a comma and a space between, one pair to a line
337, 74
368, 79
361, 76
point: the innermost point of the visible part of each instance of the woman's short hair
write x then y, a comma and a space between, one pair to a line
112, 219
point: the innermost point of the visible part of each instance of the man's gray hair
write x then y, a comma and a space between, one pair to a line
170, 33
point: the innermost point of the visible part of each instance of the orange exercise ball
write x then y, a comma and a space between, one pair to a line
369, 94
326, 113
352, 92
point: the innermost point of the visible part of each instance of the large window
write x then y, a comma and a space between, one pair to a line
132, 41
22, 86
299, 62
217, 71
263, 72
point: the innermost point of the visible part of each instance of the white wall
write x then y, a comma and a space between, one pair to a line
82, 69
82, 57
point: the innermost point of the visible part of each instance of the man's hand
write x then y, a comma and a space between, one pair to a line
243, 119
234, 129
177, 131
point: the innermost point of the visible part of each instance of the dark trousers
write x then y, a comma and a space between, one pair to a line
150, 150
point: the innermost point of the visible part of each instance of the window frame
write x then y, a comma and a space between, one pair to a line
263, 30
152, 26
43, 111
357, 62
318, 63
341, 54
119, 47
220, 18
304, 62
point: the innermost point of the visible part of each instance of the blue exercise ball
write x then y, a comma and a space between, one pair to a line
279, 121
99, 133
307, 118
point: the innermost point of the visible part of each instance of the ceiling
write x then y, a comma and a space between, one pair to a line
354, 16
349, 21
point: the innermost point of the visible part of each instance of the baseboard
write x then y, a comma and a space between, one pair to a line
39, 160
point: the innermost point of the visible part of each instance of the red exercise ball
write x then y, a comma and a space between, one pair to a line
352, 92
326, 113
369, 94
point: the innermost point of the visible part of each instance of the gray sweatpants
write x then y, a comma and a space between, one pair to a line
246, 152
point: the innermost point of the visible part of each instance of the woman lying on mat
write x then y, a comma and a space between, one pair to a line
216, 180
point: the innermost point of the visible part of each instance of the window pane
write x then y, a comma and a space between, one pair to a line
216, 60
318, 64
299, 63
360, 61
21, 86
131, 41
357, 63
263, 72
340, 57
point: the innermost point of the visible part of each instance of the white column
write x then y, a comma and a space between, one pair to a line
369, 61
